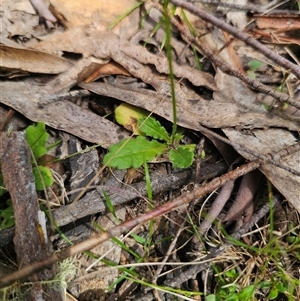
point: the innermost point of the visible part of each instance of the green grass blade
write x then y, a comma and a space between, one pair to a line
121, 17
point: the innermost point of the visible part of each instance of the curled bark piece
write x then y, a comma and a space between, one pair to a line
217, 206
244, 198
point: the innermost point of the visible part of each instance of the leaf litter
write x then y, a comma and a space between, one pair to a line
76, 49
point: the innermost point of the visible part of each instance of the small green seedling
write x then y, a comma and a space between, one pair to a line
253, 65
228, 290
37, 137
7, 216
134, 152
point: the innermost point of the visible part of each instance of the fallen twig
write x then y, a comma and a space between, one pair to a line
240, 35
226, 68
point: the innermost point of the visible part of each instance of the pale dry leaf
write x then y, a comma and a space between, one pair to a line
190, 112
20, 5
17, 18
62, 115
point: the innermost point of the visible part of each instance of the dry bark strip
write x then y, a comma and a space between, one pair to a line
245, 196
30, 240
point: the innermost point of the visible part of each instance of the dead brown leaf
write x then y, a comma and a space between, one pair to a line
32, 61
111, 68
278, 23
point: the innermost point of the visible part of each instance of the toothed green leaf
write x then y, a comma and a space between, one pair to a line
37, 137
182, 157
46, 175
151, 127
133, 152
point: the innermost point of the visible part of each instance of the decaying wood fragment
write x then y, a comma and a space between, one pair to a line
30, 240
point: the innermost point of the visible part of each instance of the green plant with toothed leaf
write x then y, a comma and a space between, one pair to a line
134, 152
